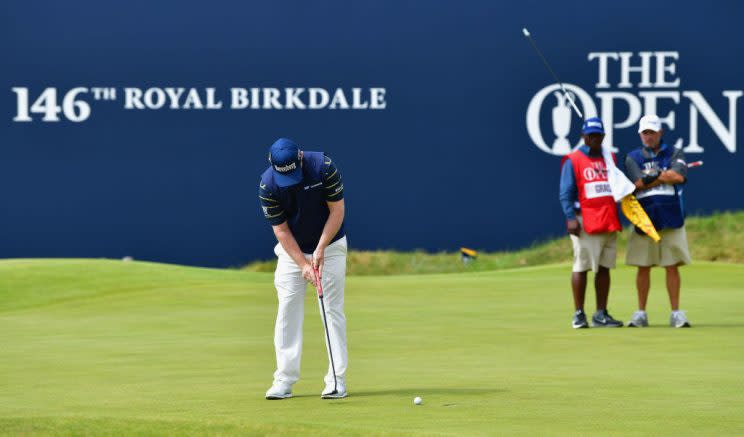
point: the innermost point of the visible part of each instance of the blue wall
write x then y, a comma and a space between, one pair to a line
448, 162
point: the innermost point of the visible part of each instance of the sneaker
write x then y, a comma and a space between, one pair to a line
602, 319
639, 320
579, 320
337, 392
279, 390
679, 320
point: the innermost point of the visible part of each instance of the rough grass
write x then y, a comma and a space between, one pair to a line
719, 237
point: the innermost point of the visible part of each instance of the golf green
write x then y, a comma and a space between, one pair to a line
100, 347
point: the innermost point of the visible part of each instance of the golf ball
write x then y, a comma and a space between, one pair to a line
417, 400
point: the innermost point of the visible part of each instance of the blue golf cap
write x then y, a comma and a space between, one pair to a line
592, 126
284, 157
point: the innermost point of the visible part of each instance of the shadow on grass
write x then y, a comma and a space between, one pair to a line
423, 392
694, 326
306, 395
711, 325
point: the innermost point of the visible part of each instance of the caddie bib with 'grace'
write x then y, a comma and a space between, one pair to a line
598, 207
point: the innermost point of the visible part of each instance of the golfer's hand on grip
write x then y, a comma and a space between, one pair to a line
309, 274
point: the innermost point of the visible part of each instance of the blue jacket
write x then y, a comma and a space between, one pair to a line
663, 203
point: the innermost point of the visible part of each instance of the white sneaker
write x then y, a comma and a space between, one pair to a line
679, 320
279, 390
338, 393
639, 320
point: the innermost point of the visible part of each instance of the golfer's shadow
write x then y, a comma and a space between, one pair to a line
424, 392
714, 325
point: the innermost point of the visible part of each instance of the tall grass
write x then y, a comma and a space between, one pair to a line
718, 237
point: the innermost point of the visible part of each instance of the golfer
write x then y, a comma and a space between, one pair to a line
302, 197
658, 171
591, 221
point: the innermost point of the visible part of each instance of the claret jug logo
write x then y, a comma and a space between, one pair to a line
658, 86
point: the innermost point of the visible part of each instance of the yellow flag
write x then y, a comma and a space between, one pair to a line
635, 213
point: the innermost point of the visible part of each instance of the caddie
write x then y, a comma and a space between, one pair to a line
591, 221
659, 172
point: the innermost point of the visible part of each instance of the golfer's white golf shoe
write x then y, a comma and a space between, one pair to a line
279, 390
330, 393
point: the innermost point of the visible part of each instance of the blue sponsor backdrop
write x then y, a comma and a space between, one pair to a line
448, 162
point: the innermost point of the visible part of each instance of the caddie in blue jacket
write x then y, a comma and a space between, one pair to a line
659, 173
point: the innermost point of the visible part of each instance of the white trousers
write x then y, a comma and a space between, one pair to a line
290, 288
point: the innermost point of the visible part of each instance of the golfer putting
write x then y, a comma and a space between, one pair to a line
301, 196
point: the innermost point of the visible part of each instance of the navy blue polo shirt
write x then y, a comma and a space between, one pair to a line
304, 206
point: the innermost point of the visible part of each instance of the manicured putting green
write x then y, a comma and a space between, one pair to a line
128, 348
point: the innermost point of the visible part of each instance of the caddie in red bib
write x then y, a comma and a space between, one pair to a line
597, 206
592, 222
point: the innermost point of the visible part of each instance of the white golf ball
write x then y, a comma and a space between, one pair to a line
417, 400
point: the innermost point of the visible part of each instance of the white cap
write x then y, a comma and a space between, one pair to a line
649, 122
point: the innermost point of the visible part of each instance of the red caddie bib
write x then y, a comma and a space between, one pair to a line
598, 208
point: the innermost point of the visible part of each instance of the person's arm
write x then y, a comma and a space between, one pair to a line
677, 172
332, 225
333, 188
289, 244
665, 177
635, 174
277, 218
669, 177
568, 196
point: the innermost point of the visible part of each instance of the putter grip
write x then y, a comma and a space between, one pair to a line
320, 286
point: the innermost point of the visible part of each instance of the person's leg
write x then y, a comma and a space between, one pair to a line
581, 265
675, 253
601, 318
643, 285
607, 261
643, 253
334, 280
677, 319
583, 250
290, 288
602, 287
639, 318
673, 283
578, 287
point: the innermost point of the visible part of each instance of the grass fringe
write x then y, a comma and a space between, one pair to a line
718, 237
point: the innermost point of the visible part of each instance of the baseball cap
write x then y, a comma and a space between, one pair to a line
592, 126
649, 122
284, 156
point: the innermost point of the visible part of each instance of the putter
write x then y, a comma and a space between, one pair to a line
328, 336
527, 35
